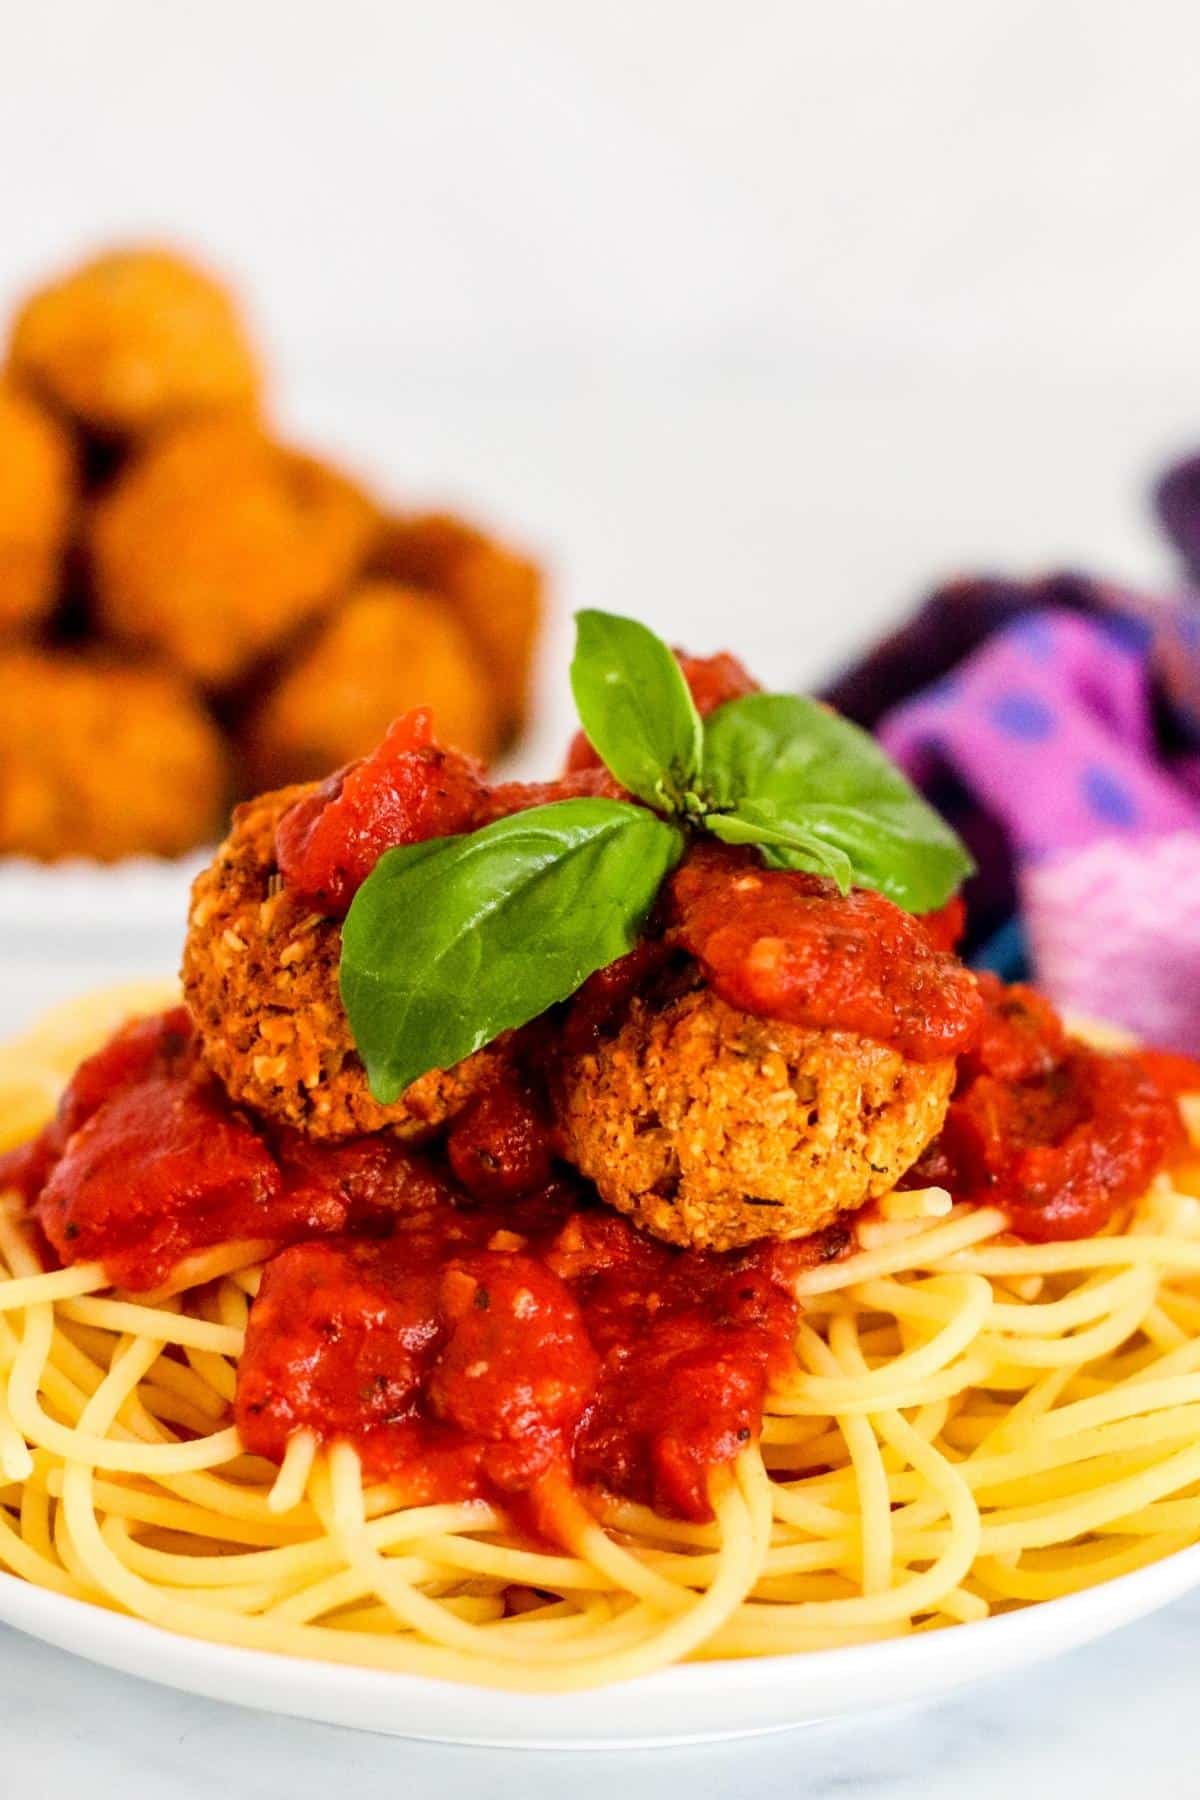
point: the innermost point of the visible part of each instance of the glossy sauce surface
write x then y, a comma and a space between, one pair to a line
483, 1351
789, 946
406, 791
474, 1325
1056, 1133
147, 1162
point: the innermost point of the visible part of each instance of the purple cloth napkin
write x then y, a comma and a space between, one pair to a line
1049, 726
1050, 729
1056, 723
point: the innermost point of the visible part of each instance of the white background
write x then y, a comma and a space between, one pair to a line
754, 318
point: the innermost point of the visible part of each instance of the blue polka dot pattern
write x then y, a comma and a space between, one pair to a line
1022, 716
1035, 636
1107, 799
1126, 633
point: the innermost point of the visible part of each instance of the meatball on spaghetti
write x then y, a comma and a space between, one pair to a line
713, 1127
260, 974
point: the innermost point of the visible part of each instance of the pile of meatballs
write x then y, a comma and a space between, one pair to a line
709, 1126
191, 610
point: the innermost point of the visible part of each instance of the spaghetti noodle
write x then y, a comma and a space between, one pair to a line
974, 1424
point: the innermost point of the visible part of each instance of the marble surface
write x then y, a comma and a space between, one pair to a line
1114, 1719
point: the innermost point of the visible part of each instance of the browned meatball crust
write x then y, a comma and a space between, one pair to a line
260, 975
106, 757
712, 1127
386, 649
132, 340
215, 544
37, 497
496, 592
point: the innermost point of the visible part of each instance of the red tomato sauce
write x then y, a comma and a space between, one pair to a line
474, 1322
1174, 1073
147, 1162
406, 791
473, 1325
1057, 1134
478, 1351
789, 946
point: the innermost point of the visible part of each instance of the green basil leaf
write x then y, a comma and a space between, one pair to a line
816, 773
783, 846
636, 708
449, 943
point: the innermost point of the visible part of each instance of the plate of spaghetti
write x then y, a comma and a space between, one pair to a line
586, 1262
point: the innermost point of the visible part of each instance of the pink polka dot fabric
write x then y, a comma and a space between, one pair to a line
1115, 934
1047, 727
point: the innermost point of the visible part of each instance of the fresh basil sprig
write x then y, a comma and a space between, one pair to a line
448, 943
795, 766
783, 845
636, 709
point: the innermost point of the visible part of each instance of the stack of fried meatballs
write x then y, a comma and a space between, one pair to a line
191, 610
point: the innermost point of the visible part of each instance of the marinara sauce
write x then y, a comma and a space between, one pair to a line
480, 1350
406, 791
789, 946
1057, 1134
148, 1162
473, 1321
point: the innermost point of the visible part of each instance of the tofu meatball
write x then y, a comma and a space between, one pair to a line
104, 757
133, 340
260, 976
712, 1127
386, 650
37, 498
215, 544
495, 590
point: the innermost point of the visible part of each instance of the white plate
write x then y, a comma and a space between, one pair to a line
68, 927
689, 1704
82, 895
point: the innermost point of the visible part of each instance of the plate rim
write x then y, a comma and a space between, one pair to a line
129, 1645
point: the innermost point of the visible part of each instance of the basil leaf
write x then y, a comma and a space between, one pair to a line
816, 773
783, 846
449, 943
636, 708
